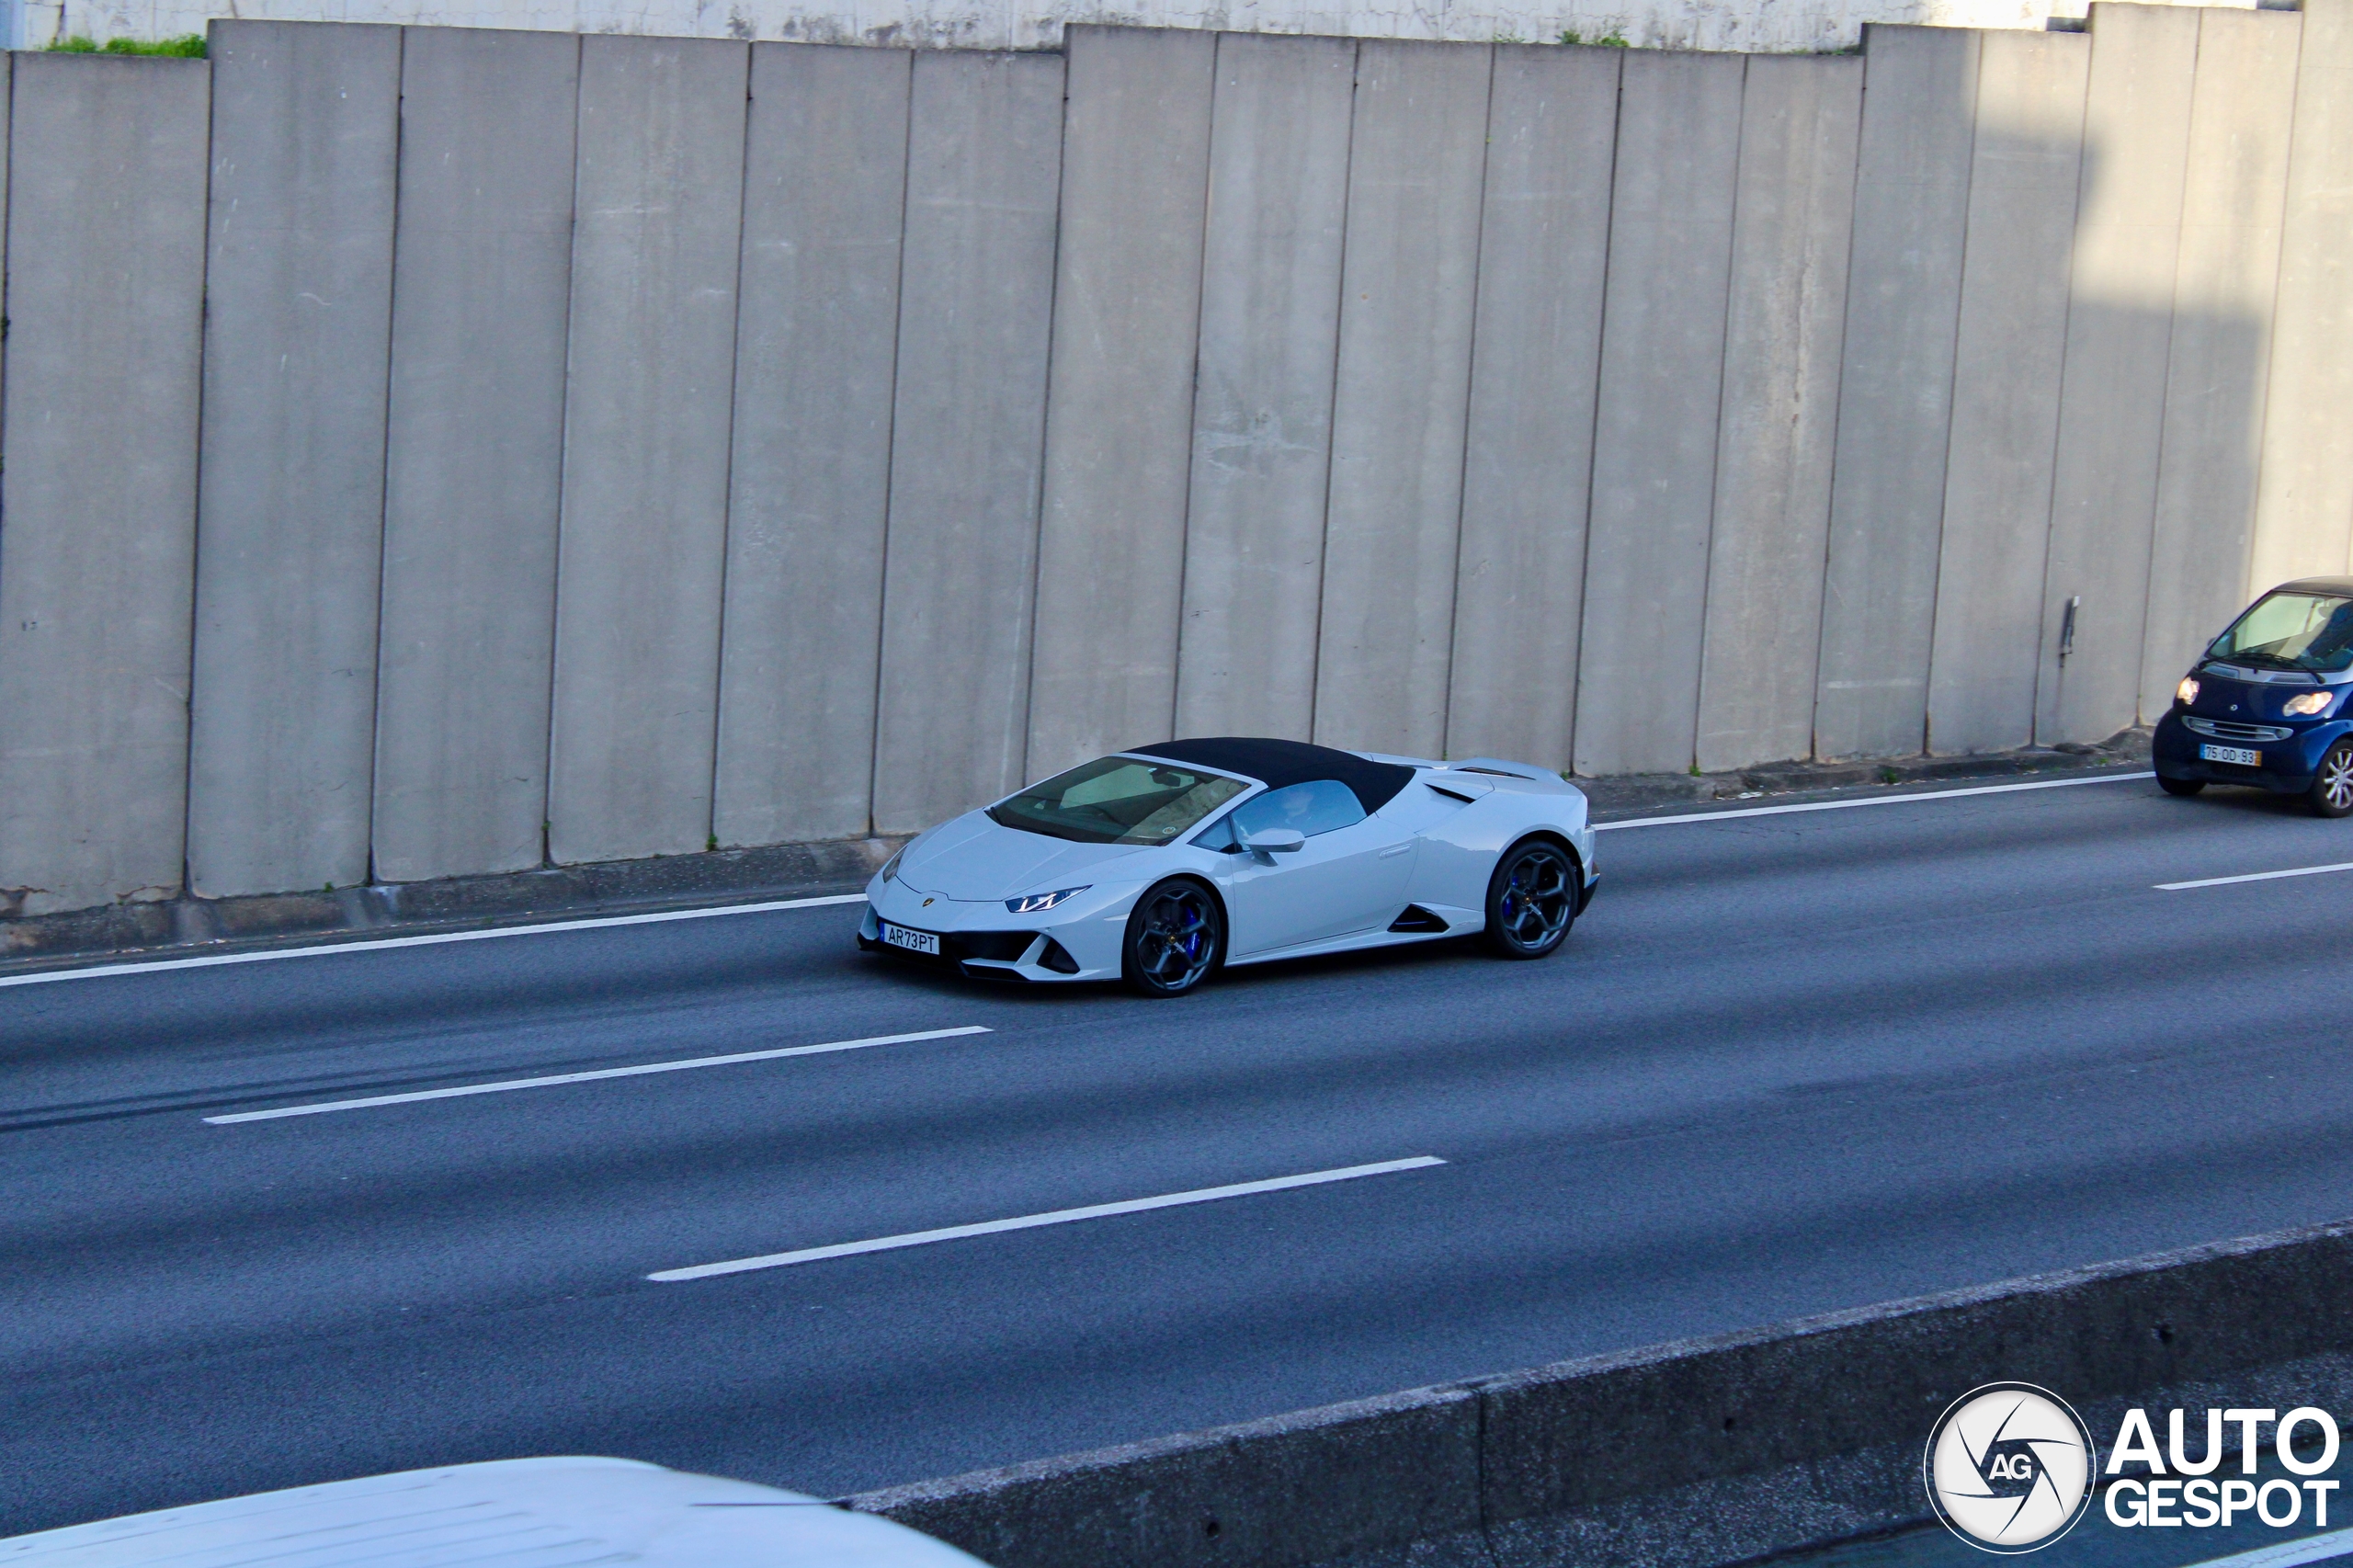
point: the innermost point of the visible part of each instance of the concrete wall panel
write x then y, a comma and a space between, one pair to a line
2005, 393
2305, 503
2120, 329
1800, 121
815, 341
2237, 175
984, 140
647, 412
290, 492
97, 477
1119, 397
1262, 410
1655, 440
1895, 389
1536, 358
1402, 393
474, 457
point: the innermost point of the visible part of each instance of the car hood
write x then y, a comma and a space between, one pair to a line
975, 860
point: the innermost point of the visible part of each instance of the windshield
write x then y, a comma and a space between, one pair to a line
1116, 800
2296, 631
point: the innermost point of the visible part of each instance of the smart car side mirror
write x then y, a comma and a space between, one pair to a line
1277, 840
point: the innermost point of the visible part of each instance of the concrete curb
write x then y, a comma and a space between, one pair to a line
1694, 1453
187, 926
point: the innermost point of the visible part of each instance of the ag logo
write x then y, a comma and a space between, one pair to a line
2009, 1466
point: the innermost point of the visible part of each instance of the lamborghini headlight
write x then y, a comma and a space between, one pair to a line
891, 867
2186, 692
2308, 703
1039, 902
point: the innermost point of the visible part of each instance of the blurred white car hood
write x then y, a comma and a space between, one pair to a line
973, 859
534, 1513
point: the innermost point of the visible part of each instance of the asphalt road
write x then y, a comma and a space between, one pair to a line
1787, 1063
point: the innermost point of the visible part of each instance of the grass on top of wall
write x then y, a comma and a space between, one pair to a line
187, 46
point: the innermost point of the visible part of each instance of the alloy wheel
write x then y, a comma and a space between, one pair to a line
1534, 900
1172, 938
2333, 788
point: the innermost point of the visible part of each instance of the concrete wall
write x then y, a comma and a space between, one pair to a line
969, 431
1786, 317
482, 268
771, 442
1768, 24
1655, 420
1118, 403
648, 396
97, 476
825, 195
2009, 350
290, 492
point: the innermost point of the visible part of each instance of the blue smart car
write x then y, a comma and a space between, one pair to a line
2268, 706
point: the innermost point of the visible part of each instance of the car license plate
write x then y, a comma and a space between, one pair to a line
914, 941
2239, 755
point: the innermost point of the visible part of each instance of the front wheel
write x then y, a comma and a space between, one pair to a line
2180, 786
1531, 899
2332, 793
1175, 938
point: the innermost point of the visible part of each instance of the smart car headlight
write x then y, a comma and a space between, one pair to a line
2307, 703
2186, 692
1039, 902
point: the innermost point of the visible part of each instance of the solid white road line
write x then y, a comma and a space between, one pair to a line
2254, 877
436, 939
2290, 1553
1873, 800
1030, 1221
552, 1079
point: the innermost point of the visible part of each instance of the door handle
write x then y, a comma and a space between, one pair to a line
1394, 849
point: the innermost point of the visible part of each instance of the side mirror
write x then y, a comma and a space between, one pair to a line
1277, 840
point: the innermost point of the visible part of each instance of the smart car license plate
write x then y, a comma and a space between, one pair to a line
2239, 755
914, 941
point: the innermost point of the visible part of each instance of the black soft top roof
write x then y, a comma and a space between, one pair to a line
1279, 764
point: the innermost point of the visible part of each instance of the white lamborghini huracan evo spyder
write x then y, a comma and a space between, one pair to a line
1158, 865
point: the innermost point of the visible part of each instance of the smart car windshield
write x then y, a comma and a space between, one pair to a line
1118, 799
2295, 631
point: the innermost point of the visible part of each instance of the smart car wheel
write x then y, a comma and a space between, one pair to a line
2180, 786
2332, 793
1175, 936
1531, 899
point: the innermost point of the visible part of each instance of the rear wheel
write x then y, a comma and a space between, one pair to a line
2180, 786
1175, 938
1531, 899
2332, 793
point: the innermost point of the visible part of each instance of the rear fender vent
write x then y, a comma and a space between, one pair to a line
1416, 918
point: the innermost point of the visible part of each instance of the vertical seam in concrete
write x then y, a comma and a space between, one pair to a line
2173, 316
1037, 496
891, 432
2271, 321
1716, 447
1593, 442
2051, 495
563, 428
1332, 404
1193, 389
195, 490
1944, 468
1470, 378
1838, 409
384, 473
734, 394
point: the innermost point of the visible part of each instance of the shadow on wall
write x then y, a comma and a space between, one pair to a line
615, 446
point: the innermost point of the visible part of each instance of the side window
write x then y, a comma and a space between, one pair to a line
1318, 807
